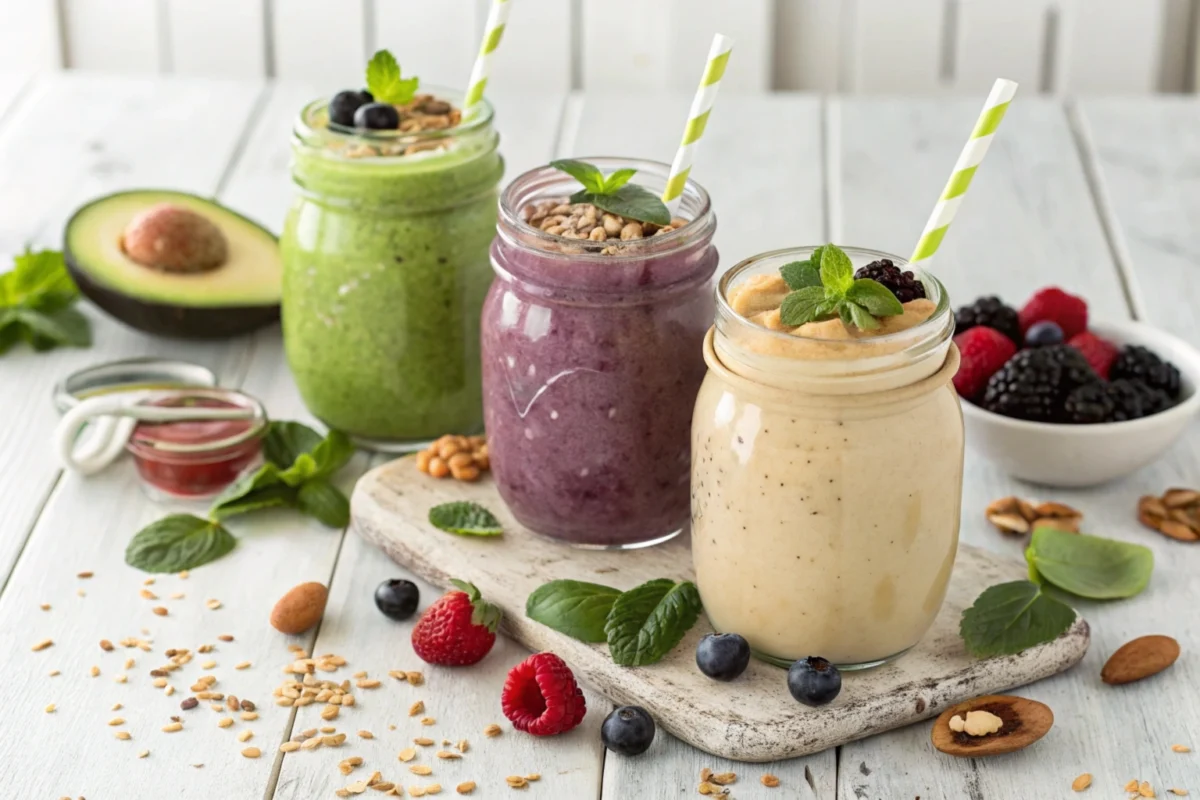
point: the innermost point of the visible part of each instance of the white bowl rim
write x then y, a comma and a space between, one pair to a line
1140, 333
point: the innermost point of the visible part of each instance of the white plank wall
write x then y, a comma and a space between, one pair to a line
870, 46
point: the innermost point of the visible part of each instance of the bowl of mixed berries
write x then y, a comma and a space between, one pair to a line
1055, 400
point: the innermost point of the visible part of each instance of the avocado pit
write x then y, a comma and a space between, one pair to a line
1023, 722
171, 238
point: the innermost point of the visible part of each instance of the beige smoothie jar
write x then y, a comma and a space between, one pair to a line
826, 479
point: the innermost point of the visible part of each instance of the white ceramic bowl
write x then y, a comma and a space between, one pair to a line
1086, 455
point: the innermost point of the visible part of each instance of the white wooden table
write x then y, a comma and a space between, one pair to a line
1100, 196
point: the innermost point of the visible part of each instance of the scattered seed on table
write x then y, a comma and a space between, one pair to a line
189, 703
492, 730
208, 665
1082, 782
226, 637
421, 769
1178, 792
115, 721
1180, 748
43, 644
121, 678
433, 788
242, 665
407, 754
94, 672
146, 594
213, 604
173, 727
423, 741
224, 722
177, 596
466, 787
51, 708
149, 581
54, 673
533, 776
416, 708
249, 716
81, 592
129, 663
366, 735
183, 574
288, 747
123, 735
116, 707
85, 574
106, 645
769, 781
245, 735
143, 753
448, 755
160, 611
428, 721
252, 752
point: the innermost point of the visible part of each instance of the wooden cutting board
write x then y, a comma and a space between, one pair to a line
751, 719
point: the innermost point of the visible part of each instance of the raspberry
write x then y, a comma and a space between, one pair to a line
983, 350
541, 697
1055, 305
1100, 353
458, 629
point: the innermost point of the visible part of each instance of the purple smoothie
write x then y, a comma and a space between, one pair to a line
591, 365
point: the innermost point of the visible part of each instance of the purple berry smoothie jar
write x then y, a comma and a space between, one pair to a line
591, 365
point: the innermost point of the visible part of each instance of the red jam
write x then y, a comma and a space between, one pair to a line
194, 459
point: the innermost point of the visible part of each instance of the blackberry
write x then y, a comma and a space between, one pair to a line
1152, 400
989, 311
1034, 384
1118, 401
1140, 364
900, 283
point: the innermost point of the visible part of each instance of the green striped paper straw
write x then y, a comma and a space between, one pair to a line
497, 17
968, 161
706, 95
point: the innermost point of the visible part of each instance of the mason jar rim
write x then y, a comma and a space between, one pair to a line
539, 179
308, 130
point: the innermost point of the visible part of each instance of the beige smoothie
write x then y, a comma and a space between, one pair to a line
827, 474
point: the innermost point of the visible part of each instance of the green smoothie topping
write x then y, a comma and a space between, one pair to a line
824, 288
384, 81
615, 194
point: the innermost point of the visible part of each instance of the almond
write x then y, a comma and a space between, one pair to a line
1024, 722
1176, 514
300, 609
1140, 658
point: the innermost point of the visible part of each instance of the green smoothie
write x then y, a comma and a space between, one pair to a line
386, 267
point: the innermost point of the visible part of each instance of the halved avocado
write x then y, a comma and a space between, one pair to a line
232, 292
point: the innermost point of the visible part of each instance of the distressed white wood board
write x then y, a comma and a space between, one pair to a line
752, 720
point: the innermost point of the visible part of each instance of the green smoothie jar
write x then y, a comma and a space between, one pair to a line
385, 267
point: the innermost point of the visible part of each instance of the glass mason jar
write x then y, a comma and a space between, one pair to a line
591, 364
826, 480
385, 257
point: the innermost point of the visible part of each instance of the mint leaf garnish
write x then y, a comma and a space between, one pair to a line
800, 274
35, 299
647, 621
824, 287
287, 441
615, 194
178, 542
576, 608
465, 518
253, 491
1089, 566
1011, 617
384, 81
324, 502
802, 305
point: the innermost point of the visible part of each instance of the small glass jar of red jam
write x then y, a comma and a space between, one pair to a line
196, 458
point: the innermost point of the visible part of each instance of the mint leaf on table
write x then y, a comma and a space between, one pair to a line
384, 81
465, 518
576, 608
320, 499
35, 299
253, 491
287, 441
647, 621
178, 542
1089, 566
615, 194
1011, 617
801, 274
824, 288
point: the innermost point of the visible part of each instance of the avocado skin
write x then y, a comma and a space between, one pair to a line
164, 319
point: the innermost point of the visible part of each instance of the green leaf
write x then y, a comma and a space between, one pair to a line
800, 274
321, 460
590, 176
258, 489
320, 499
384, 81
876, 298
817, 254
646, 622
178, 542
860, 317
1090, 566
837, 271
468, 519
302, 469
801, 305
482, 612
576, 608
630, 201
39, 281
10, 331
333, 453
66, 326
1012, 617
287, 441
616, 180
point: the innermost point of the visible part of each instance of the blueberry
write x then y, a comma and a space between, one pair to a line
628, 730
344, 104
1043, 334
397, 598
377, 116
814, 681
722, 656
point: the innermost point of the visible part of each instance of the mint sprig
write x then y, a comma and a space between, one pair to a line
178, 542
36, 296
465, 518
614, 193
1011, 617
384, 81
824, 287
576, 608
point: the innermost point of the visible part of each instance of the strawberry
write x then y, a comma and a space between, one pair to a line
540, 696
1055, 305
1100, 353
458, 629
983, 351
